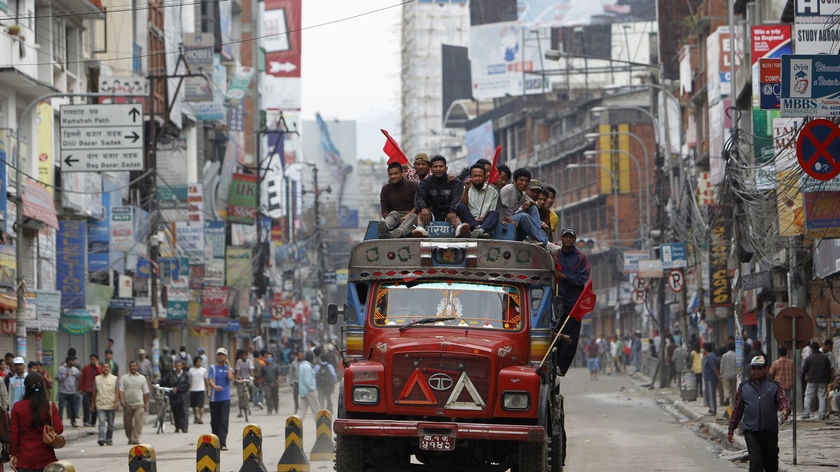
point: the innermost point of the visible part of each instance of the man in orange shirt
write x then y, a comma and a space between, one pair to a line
782, 371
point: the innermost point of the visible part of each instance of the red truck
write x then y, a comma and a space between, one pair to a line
445, 344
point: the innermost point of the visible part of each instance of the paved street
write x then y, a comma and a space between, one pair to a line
612, 421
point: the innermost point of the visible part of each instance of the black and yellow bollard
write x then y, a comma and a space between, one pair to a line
252, 458
324, 447
141, 458
207, 453
293, 459
60, 466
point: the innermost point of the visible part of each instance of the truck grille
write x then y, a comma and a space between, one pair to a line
434, 381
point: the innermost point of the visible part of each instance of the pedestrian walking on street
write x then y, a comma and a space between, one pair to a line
711, 377
219, 376
134, 399
270, 375
294, 378
817, 372
15, 381
729, 374
105, 401
86, 386
28, 451
697, 366
68, 389
179, 380
198, 384
592, 362
325, 380
757, 402
308, 386
782, 371
636, 351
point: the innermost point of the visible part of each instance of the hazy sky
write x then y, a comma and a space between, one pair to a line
351, 66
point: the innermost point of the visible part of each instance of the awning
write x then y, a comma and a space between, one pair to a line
38, 203
23, 83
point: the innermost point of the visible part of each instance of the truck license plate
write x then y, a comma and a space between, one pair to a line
437, 442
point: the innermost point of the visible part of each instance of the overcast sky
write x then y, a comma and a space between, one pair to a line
351, 66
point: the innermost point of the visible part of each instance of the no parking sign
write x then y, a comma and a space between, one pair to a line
818, 148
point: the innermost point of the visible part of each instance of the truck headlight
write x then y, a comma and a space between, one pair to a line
365, 395
515, 400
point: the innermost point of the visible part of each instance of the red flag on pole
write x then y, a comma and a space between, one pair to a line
392, 149
494, 172
585, 302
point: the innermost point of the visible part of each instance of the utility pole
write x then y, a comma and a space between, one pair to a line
260, 256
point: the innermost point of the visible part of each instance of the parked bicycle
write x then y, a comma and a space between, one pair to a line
245, 385
164, 412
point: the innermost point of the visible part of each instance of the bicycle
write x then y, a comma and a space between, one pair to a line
164, 412
244, 394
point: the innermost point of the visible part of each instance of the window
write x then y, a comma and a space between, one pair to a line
449, 304
59, 42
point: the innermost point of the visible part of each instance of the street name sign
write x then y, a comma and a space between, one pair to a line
102, 137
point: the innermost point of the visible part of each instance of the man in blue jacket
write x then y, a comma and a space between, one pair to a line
757, 402
572, 272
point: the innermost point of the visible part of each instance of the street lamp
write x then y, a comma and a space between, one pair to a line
642, 229
615, 192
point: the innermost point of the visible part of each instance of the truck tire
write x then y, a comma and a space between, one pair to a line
533, 457
349, 455
555, 452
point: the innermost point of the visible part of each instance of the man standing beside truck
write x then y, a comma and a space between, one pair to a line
572, 271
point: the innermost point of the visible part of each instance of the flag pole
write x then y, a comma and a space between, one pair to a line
553, 342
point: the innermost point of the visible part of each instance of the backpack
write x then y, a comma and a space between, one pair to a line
324, 379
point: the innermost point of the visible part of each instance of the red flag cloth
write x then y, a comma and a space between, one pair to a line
585, 302
494, 172
392, 149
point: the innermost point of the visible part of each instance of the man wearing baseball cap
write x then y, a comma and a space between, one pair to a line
14, 383
756, 403
219, 377
572, 272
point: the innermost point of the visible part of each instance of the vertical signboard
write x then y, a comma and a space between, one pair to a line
70, 245
789, 201
198, 53
720, 236
281, 40
769, 43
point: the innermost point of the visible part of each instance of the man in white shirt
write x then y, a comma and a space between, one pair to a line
478, 205
104, 401
198, 385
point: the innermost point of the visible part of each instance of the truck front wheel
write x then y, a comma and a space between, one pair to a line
349, 454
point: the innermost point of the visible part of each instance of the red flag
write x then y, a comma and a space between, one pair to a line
585, 302
392, 149
494, 172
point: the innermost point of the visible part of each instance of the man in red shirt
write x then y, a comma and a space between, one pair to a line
87, 385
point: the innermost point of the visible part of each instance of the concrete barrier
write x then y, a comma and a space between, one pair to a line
324, 447
293, 459
207, 453
141, 458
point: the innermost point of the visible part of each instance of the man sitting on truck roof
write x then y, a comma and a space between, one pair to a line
478, 205
396, 202
517, 208
436, 200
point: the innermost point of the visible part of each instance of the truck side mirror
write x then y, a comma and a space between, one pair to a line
332, 313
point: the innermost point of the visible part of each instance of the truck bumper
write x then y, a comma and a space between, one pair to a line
485, 431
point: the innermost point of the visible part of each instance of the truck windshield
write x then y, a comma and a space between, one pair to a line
473, 305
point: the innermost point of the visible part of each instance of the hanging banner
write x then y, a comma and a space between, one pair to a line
214, 302
720, 237
70, 263
242, 200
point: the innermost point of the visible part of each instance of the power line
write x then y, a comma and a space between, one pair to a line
238, 41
